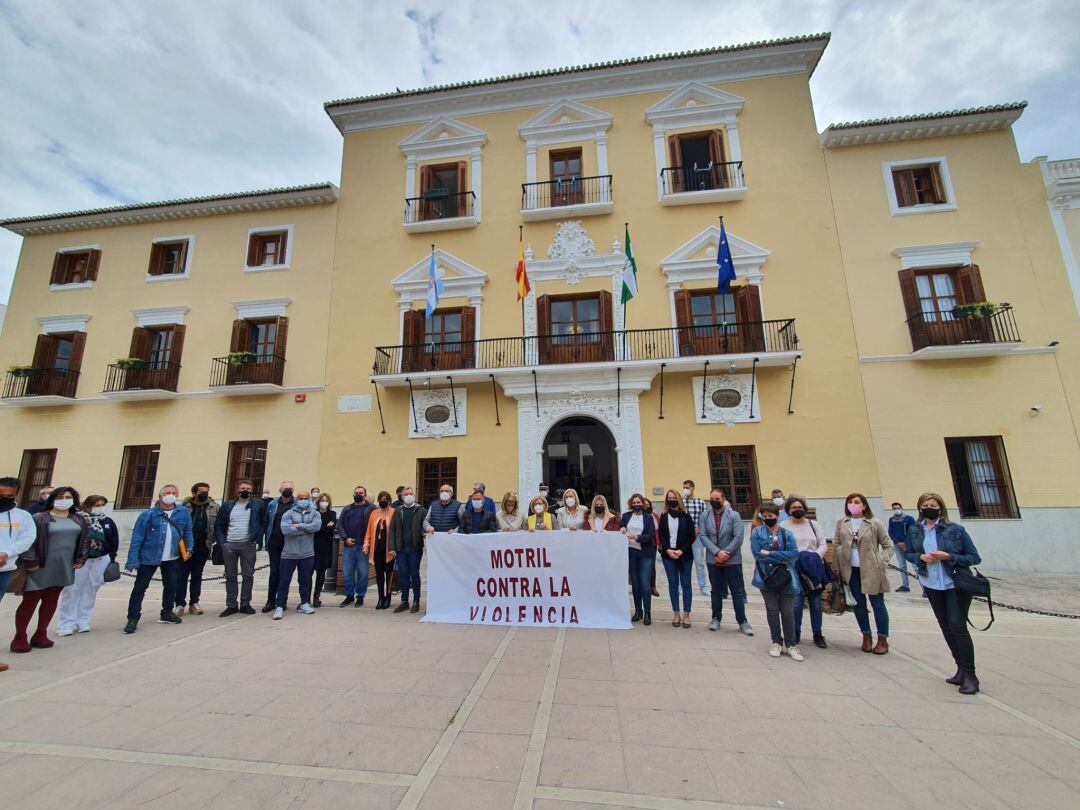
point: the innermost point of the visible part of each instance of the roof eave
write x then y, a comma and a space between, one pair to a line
920, 127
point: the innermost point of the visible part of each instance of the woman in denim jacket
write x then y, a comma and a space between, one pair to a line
771, 546
937, 548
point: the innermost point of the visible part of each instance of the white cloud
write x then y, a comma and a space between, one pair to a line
111, 101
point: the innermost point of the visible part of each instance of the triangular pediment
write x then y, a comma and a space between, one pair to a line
459, 278
695, 99
443, 131
698, 255
566, 113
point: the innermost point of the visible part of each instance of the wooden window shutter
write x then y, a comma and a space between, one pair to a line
282, 336
43, 350
543, 327
179, 330
283, 244
748, 316
468, 337
253, 250
939, 188
462, 187
92, 263
607, 325
673, 150
58, 266
969, 284
155, 260
684, 321
904, 180
425, 179
413, 337
140, 343
240, 332
78, 343
909, 293
716, 147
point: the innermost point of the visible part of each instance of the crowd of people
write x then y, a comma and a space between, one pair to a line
61, 550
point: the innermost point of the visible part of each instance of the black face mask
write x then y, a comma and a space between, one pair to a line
245, 494
770, 522
930, 513
637, 507
7, 504
798, 514
287, 492
357, 498
383, 503
202, 497
599, 509
717, 504
672, 504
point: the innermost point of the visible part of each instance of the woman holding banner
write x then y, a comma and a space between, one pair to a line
677, 551
509, 516
601, 518
539, 517
640, 534
571, 515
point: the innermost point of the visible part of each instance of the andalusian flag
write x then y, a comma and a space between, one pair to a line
523, 286
629, 273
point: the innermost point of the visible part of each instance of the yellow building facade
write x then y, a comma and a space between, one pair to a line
836, 363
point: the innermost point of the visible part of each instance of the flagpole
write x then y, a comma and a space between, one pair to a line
521, 237
426, 316
626, 230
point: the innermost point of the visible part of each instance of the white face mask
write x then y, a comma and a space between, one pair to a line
539, 508
570, 501
444, 496
97, 510
409, 500
544, 492
63, 503
898, 512
324, 504
477, 505
315, 493
686, 492
168, 500
778, 501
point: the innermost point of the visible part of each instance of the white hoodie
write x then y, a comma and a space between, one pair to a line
17, 534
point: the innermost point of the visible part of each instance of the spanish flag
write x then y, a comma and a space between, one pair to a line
523, 286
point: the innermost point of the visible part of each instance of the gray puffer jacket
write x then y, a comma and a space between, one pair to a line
300, 543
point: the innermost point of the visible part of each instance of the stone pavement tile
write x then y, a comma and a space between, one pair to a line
680, 773
642, 695
498, 757
571, 722
472, 663
850, 709
810, 739
740, 735
56, 722
385, 678
758, 780
662, 727
640, 672
982, 755
513, 664
241, 699
855, 786
460, 793
869, 741
586, 764
557, 804
764, 703
498, 716
393, 711
1057, 758
29, 775
416, 659
122, 784
590, 669
385, 748
123, 725
272, 792
584, 693
945, 787
301, 704
505, 686
321, 795
444, 684
528, 644
710, 699
1026, 791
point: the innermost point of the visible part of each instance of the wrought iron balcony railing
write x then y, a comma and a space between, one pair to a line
149, 377
41, 382
677, 179
570, 191
263, 370
934, 329
438, 203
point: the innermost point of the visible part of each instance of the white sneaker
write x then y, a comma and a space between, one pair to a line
305, 608
795, 654
775, 650
83, 628
65, 631
278, 613
179, 611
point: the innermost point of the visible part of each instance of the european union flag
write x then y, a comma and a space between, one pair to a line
725, 266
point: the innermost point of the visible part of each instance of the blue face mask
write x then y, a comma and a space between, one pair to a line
477, 505
303, 503
637, 507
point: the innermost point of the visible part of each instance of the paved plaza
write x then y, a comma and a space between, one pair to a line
351, 708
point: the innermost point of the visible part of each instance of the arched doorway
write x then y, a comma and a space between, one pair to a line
579, 452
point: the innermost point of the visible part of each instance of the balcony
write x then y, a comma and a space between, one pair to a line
40, 387
735, 345
946, 337
439, 210
714, 182
261, 376
150, 381
561, 199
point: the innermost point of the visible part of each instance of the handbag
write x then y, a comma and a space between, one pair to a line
18, 581
777, 580
111, 572
217, 556
185, 555
969, 581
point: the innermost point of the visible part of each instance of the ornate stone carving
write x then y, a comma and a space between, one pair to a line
433, 402
571, 242
730, 386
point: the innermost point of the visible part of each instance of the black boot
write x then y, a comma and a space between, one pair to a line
415, 606
956, 679
819, 641
970, 684
402, 607
648, 619
637, 616
348, 601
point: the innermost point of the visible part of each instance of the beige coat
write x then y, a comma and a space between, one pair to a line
514, 522
875, 551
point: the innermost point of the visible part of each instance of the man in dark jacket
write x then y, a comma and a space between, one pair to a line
239, 527
41, 504
407, 546
720, 531
350, 530
442, 514
475, 517
275, 540
203, 510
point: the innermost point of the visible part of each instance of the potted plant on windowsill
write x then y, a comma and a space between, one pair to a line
241, 358
979, 309
22, 371
129, 363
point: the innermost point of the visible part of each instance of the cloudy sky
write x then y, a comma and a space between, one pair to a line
115, 101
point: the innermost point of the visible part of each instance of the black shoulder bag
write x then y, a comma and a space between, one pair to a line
970, 581
777, 580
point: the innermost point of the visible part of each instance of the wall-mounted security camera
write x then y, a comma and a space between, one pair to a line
1036, 409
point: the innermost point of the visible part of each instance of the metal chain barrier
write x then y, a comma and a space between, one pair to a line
1018, 608
262, 567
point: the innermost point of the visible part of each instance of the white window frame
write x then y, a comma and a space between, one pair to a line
454, 141
946, 185
269, 268
82, 285
190, 239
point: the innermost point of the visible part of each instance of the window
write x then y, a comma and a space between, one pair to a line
268, 248
432, 473
35, 472
58, 360
734, 471
443, 342
158, 346
709, 310
138, 473
566, 177
980, 475
169, 258
443, 191
697, 162
929, 299
576, 316
919, 186
265, 339
246, 460
444, 326
710, 322
75, 266
575, 328
937, 294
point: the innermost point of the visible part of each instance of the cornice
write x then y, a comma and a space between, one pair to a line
916, 127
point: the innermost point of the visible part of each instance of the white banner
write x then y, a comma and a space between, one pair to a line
527, 579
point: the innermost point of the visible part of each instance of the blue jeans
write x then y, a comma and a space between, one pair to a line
814, 598
902, 564
304, 569
355, 566
725, 579
642, 565
877, 602
678, 573
699, 564
408, 568
5, 578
